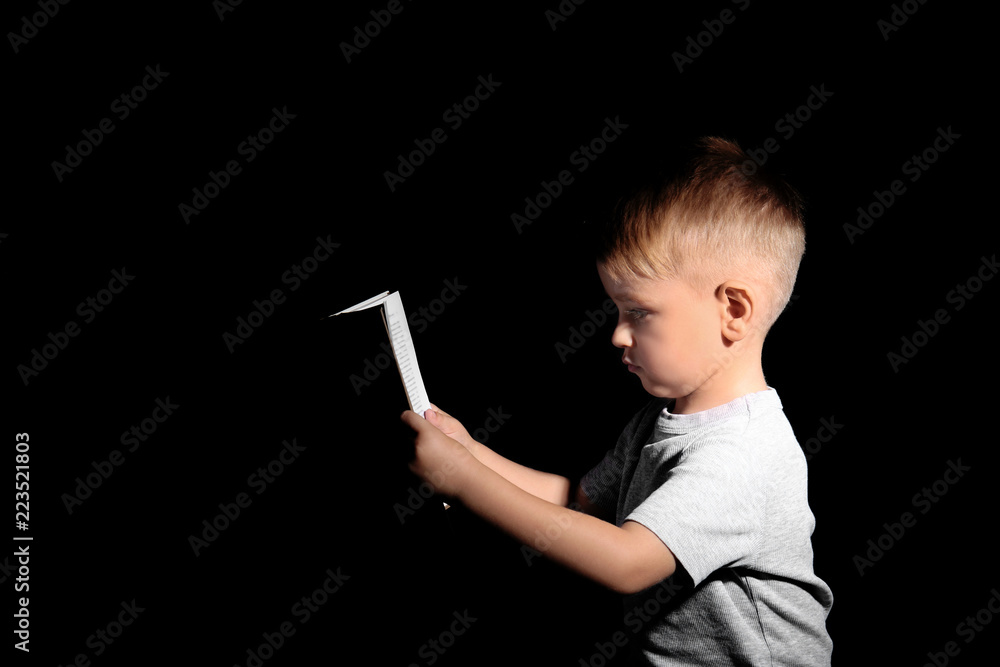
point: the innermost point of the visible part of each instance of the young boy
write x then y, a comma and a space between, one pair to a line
701, 506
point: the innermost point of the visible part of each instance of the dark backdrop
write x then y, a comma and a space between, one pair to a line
883, 360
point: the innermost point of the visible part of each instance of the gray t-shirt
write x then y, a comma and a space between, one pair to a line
725, 490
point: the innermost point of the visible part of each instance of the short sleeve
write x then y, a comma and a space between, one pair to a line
603, 484
707, 505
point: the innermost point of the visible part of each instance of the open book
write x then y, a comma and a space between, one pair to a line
394, 319
402, 346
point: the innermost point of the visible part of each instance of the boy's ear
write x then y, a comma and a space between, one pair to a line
737, 301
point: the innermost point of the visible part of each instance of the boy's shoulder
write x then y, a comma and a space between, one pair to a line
743, 431
760, 409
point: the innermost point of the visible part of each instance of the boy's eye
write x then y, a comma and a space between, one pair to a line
636, 314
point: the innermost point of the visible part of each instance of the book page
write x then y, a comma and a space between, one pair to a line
394, 318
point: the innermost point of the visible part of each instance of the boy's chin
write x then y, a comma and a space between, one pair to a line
661, 390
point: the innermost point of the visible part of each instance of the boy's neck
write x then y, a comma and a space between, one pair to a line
727, 385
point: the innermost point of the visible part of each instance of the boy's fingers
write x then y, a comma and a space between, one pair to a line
416, 422
437, 417
412, 419
444, 419
440, 411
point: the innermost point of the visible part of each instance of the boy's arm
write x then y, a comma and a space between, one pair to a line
627, 559
584, 505
548, 486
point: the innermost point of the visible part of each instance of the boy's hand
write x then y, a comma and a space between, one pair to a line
437, 458
451, 427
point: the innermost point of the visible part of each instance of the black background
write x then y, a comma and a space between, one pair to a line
494, 347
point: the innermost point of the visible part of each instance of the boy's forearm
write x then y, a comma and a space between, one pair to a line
626, 559
594, 548
547, 486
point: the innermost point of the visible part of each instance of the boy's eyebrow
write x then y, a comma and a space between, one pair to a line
624, 294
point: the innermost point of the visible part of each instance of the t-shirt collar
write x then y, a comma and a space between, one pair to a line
670, 423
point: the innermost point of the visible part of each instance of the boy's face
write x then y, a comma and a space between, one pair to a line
671, 335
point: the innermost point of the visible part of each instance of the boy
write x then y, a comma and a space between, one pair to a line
707, 484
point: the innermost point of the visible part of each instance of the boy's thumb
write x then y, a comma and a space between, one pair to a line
440, 420
436, 415
433, 416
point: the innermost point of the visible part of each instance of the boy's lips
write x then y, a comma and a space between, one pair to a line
628, 362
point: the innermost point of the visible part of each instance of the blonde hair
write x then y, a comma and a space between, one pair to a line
722, 218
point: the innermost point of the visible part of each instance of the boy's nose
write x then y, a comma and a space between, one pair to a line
620, 337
